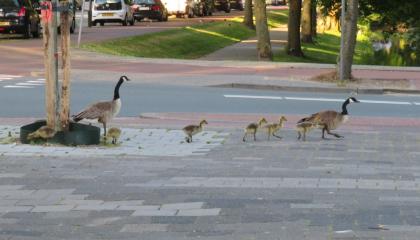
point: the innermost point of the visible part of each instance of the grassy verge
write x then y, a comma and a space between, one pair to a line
184, 43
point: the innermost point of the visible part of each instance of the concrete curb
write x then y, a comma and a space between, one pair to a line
378, 91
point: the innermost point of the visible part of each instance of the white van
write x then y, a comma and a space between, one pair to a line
112, 11
180, 7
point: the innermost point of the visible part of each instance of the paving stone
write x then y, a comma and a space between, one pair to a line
15, 209
178, 206
53, 208
140, 228
146, 212
199, 212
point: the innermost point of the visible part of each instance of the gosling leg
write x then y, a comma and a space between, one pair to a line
255, 138
334, 134
299, 135
277, 136
244, 138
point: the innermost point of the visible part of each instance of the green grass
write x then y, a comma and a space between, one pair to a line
325, 50
185, 43
277, 18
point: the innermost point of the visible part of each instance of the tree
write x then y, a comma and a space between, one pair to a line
263, 35
293, 37
349, 33
307, 22
249, 16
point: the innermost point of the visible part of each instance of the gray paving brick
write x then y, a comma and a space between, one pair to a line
148, 212
53, 208
15, 209
188, 205
199, 212
140, 228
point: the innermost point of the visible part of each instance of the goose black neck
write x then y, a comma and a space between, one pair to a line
117, 89
344, 107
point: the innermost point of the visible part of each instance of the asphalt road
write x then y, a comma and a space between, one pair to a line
26, 99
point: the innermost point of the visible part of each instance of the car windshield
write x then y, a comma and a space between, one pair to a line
144, 1
105, 5
9, 3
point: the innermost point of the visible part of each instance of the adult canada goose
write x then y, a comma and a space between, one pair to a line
114, 134
330, 120
43, 132
272, 128
103, 111
191, 130
252, 128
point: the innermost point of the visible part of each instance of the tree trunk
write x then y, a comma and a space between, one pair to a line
65, 86
307, 21
263, 35
249, 16
293, 37
349, 33
314, 19
50, 63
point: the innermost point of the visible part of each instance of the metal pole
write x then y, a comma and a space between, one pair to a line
343, 13
81, 24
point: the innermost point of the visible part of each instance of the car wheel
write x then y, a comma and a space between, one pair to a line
125, 21
227, 8
102, 23
28, 31
132, 22
73, 26
166, 17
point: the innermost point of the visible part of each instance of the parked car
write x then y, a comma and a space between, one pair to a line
237, 4
19, 17
222, 5
152, 9
105, 11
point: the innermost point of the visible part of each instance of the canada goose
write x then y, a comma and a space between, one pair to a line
103, 111
252, 128
43, 132
330, 120
303, 127
274, 127
191, 130
114, 133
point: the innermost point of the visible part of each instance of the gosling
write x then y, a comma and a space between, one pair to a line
252, 128
275, 127
43, 132
191, 130
304, 127
114, 134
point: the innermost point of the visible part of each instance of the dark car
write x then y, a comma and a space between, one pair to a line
152, 9
19, 17
207, 7
222, 5
237, 4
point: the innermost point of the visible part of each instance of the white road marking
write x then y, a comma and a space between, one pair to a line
5, 78
41, 79
318, 99
36, 81
10, 76
386, 102
28, 84
16, 86
314, 99
253, 97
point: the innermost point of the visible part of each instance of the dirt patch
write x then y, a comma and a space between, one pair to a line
332, 77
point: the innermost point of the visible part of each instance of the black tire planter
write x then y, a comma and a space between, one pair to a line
79, 134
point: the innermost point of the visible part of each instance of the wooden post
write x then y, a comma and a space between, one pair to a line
65, 53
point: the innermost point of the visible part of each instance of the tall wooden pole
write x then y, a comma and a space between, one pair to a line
65, 57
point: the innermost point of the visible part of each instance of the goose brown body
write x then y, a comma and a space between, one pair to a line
104, 111
330, 119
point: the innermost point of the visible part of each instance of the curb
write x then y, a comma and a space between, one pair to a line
317, 89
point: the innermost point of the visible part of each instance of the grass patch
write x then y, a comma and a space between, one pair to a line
277, 18
326, 50
184, 43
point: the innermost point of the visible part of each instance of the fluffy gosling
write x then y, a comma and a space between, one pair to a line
191, 130
275, 127
114, 134
303, 127
252, 128
43, 132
